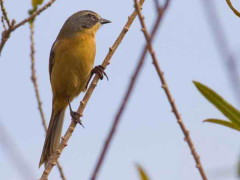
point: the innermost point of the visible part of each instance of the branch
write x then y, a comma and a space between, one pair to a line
4, 13
106, 62
36, 13
13, 26
169, 95
35, 85
5, 35
3, 23
34, 77
232, 8
230, 62
127, 94
14, 155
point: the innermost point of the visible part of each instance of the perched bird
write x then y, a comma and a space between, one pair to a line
70, 67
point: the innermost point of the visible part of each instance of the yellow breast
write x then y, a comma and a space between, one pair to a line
73, 62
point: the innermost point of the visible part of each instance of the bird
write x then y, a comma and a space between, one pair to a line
71, 64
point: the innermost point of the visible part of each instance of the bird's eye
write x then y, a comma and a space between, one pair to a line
92, 16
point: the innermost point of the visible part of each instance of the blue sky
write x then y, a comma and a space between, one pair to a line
148, 133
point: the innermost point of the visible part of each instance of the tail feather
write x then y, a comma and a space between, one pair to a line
53, 136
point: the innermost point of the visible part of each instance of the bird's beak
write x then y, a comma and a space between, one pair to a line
104, 21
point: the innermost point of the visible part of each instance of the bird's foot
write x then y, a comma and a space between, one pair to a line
76, 117
99, 70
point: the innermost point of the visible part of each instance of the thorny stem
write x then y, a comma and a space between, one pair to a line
4, 13
35, 85
13, 26
169, 95
106, 62
34, 76
127, 95
3, 23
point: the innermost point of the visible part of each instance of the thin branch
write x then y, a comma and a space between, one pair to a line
169, 95
3, 23
106, 62
157, 5
5, 35
127, 95
236, 12
35, 85
4, 13
36, 13
222, 44
13, 26
34, 77
14, 155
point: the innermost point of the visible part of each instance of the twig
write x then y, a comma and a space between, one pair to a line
157, 5
128, 94
5, 35
14, 155
36, 13
223, 46
35, 85
3, 23
4, 14
87, 96
13, 26
169, 95
34, 77
232, 8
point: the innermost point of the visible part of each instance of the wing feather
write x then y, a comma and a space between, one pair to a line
51, 59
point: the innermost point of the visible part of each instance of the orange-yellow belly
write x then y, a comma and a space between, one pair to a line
73, 62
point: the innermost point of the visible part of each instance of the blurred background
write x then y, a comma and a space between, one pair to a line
148, 134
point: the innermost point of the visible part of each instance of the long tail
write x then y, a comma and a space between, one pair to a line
53, 135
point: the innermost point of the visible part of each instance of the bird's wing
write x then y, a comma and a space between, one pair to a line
51, 59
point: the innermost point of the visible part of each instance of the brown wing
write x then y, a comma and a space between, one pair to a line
51, 59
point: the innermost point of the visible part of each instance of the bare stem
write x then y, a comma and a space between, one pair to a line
35, 85
3, 23
36, 13
236, 12
5, 35
106, 62
127, 95
34, 77
169, 95
4, 13
13, 26
13, 153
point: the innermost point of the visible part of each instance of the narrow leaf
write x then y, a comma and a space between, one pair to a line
223, 123
222, 105
142, 173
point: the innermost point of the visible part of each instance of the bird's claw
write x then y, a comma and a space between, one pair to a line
76, 117
99, 70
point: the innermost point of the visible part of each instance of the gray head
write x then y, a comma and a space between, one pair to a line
80, 21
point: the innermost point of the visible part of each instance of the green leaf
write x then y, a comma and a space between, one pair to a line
222, 105
35, 3
223, 123
142, 173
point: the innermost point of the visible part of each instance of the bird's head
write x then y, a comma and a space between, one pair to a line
82, 21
